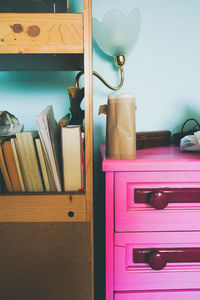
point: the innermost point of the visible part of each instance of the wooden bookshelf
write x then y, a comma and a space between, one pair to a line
46, 207
65, 36
25, 37
41, 33
69, 34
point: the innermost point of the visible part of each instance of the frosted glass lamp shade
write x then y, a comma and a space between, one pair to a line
117, 33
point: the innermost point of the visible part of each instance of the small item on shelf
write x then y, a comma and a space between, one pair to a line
77, 115
150, 139
65, 120
120, 126
9, 124
178, 136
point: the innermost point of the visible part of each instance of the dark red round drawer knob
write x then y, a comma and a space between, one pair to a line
158, 200
157, 260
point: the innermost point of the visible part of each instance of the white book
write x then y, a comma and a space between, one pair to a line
72, 157
50, 139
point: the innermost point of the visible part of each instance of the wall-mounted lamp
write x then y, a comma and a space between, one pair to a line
116, 35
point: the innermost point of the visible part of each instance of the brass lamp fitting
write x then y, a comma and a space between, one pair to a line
119, 61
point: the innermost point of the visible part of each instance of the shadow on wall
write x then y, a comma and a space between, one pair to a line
44, 79
99, 221
187, 114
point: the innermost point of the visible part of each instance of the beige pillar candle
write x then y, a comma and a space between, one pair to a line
120, 127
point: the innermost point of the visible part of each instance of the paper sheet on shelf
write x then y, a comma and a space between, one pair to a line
48, 132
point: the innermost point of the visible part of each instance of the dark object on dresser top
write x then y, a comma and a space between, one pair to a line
150, 139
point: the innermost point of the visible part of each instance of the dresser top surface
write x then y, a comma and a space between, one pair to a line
167, 158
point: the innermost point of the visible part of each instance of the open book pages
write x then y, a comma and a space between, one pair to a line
49, 134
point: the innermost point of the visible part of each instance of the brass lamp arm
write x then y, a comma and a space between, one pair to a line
107, 84
119, 61
102, 79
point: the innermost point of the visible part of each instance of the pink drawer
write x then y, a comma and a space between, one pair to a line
166, 295
156, 261
157, 201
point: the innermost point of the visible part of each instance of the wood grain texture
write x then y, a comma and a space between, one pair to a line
88, 83
45, 261
42, 208
88, 108
152, 139
41, 33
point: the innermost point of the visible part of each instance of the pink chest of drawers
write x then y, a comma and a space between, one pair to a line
153, 226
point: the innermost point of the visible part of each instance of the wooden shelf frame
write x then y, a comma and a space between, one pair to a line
42, 208
65, 218
39, 34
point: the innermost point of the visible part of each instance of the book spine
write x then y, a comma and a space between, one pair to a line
24, 160
42, 165
5, 171
82, 163
11, 166
17, 162
34, 159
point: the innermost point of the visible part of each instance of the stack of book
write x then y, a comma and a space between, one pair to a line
49, 159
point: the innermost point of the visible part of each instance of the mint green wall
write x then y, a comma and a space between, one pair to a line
26, 94
163, 71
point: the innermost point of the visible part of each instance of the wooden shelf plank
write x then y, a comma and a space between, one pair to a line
41, 33
88, 83
42, 208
